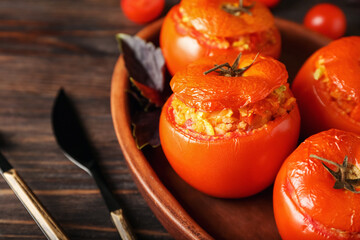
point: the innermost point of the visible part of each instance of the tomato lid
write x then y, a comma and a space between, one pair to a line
214, 92
208, 17
342, 64
313, 185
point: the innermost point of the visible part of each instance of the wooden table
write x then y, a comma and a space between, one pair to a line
45, 45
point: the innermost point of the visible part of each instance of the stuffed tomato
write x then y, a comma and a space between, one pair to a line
227, 133
195, 29
327, 88
316, 190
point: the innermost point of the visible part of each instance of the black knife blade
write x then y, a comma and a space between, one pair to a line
4, 164
72, 138
70, 134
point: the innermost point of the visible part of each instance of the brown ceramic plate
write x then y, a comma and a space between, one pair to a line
185, 212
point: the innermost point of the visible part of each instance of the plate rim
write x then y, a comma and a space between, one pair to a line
163, 204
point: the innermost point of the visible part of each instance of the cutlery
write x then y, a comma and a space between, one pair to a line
43, 219
72, 139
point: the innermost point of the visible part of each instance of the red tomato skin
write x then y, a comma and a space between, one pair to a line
327, 19
179, 50
269, 3
318, 113
230, 167
142, 11
291, 223
287, 214
316, 218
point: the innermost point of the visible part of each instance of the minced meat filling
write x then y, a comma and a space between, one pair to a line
245, 119
345, 102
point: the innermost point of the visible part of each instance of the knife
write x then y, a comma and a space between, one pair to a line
43, 219
72, 139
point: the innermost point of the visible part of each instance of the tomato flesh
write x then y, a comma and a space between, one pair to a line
234, 121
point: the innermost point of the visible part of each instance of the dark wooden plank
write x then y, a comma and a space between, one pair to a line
45, 45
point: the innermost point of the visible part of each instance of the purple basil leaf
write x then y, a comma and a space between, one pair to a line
144, 62
146, 128
146, 67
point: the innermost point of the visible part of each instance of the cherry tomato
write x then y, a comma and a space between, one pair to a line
269, 3
327, 88
195, 29
306, 204
236, 163
142, 11
326, 19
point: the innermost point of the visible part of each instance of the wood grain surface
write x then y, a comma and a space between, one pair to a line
45, 45
48, 44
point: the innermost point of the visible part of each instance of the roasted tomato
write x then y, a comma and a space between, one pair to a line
227, 133
194, 29
327, 88
316, 190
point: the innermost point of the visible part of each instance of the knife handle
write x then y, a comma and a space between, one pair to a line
51, 230
116, 212
121, 225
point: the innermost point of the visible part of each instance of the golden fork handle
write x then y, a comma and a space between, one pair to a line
121, 225
33, 206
